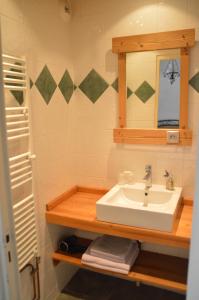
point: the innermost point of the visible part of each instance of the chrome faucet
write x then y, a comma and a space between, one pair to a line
148, 178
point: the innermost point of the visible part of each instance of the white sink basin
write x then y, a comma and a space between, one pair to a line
128, 205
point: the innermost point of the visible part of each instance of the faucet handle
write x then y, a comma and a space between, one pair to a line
166, 174
148, 168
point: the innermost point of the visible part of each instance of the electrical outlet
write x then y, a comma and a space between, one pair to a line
197, 35
173, 137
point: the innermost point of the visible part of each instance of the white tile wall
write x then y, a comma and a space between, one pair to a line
73, 143
94, 24
96, 159
35, 29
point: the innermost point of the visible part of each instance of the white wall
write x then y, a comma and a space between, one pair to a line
35, 29
74, 142
193, 288
94, 24
95, 159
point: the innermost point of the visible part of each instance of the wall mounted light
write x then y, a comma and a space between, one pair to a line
172, 71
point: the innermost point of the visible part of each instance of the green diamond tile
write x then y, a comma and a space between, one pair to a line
144, 92
30, 83
14, 76
129, 92
93, 86
66, 86
115, 86
46, 84
18, 95
194, 82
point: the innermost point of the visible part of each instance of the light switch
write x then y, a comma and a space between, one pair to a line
173, 137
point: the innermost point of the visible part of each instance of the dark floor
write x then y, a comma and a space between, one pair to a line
67, 297
94, 286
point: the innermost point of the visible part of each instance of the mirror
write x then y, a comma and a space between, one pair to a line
153, 76
153, 82
168, 91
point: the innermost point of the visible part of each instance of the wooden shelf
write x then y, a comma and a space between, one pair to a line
77, 209
150, 268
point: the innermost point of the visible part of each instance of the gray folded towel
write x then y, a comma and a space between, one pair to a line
112, 248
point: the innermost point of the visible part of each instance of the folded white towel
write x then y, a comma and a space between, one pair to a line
106, 268
105, 264
113, 248
87, 257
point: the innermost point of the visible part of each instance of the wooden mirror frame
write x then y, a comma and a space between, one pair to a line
182, 39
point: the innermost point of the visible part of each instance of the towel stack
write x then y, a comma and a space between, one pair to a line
111, 253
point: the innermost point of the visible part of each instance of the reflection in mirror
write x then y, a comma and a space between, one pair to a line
168, 91
152, 101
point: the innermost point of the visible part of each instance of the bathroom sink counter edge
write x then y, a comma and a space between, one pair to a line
76, 208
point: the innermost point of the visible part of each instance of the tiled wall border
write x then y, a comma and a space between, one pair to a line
92, 86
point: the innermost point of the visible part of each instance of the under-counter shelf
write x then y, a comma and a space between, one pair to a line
150, 268
77, 209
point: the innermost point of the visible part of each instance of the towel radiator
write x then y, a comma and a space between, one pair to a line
15, 80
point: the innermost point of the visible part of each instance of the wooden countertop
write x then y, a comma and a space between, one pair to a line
77, 209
